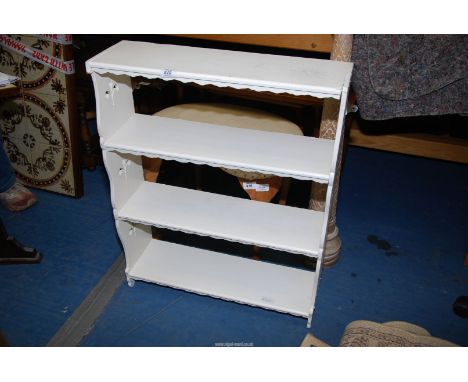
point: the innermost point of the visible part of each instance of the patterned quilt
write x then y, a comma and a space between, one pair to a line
410, 75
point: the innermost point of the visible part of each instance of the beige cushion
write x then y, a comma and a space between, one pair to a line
388, 334
233, 116
396, 333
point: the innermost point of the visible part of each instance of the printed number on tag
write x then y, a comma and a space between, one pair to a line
255, 186
167, 73
263, 187
249, 185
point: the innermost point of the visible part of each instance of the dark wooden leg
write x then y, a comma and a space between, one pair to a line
274, 183
198, 178
284, 191
151, 167
89, 159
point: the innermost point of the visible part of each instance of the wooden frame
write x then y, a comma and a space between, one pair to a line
321, 43
419, 144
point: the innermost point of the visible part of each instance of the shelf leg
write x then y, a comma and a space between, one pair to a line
130, 282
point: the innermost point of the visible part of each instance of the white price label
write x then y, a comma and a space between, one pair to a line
256, 186
167, 73
263, 187
249, 185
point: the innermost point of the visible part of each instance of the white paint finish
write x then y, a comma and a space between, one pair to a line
135, 238
269, 225
114, 102
224, 146
261, 72
229, 277
125, 174
126, 135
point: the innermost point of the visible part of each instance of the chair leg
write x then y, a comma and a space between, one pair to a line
268, 188
151, 167
198, 178
286, 183
256, 252
89, 157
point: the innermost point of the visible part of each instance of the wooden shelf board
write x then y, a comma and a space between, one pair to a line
261, 72
271, 153
228, 277
224, 217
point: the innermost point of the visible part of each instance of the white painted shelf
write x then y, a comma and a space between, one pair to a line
269, 225
241, 70
223, 146
225, 276
138, 205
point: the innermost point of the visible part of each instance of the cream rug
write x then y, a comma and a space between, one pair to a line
373, 334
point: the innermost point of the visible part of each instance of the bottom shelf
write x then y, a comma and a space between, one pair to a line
246, 281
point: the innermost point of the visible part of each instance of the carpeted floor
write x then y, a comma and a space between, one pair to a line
78, 243
402, 220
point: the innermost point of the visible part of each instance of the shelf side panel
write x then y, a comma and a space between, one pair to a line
114, 102
135, 238
125, 173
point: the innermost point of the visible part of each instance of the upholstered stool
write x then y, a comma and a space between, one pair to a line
234, 116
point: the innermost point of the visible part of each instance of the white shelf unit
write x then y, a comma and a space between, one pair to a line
125, 136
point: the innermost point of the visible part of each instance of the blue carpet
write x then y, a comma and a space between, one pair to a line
78, 242
403, 224
402, 221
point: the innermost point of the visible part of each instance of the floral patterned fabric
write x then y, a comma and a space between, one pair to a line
410, 75
37, 125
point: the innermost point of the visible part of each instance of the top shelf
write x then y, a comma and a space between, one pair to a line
224, 68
